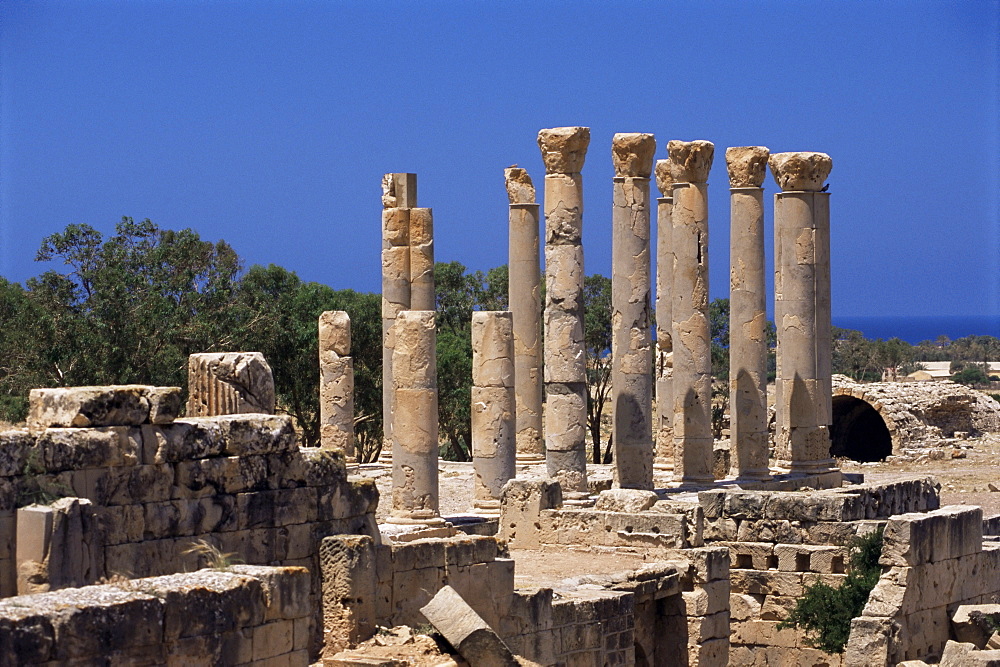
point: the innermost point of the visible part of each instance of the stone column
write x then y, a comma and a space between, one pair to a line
415, 427
336, 383
663, 423
631, 353
690, 162
422, 295
494, 445
563, 151
524, 295
399, 195
747, 313
229, 383
802, 309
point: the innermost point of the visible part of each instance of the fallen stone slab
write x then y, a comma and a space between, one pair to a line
466, 631
970, 624
113, 405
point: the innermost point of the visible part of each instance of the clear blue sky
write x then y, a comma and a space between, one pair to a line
269, 124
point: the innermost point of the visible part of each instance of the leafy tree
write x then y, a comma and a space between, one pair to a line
718, 323
971, 374
597, 339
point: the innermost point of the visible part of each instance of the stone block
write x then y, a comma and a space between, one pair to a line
769, 582
78, 448
969, 623
869, 641
466, 630
18, 452
629, 501
707, 599
221, 383
949, 532
114, 405
248, 435
704, 628
335, 332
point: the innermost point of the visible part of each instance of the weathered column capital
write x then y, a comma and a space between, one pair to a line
632, 154
747, 166
690, 161
520, 189
399, 190
803, 172
564, 149
664, 180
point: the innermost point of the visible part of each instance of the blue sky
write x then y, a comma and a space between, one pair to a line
269, 125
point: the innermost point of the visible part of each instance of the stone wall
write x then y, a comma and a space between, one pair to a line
932, 563
239, 616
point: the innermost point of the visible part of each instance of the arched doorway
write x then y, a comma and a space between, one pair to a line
858, 431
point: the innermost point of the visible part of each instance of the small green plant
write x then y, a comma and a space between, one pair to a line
215, 558
825, 612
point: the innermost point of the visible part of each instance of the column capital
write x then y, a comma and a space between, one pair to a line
632, 154
564, 149
520, 189
690, 161
664, 181
800, 171
747, 166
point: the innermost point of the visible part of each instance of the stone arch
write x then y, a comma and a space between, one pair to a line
859, 431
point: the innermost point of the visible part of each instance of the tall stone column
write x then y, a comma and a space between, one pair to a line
631, 353
690, 162
747, 167
494, 448
399, 195
802, 309
415, 429
663, 429
336, 384
563, 151
524, 295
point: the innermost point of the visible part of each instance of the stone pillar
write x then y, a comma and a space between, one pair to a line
631, 343
336, 383
228, 383
802, 309
663, 430
494, 444
563, 151
415, 427
747, 314
399, 195
422, 295
690, 162
524, 296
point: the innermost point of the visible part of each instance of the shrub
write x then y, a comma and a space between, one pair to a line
825, 612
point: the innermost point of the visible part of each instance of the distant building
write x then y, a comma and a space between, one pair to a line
941, 370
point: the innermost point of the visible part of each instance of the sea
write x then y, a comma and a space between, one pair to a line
920, 328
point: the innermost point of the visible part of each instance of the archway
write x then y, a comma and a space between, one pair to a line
858, 431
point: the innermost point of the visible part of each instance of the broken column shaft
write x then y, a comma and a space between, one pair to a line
631, 354
399, 195
663, 422
336, 388
415, 429
690, 163
493, 407
563, 151
524, 295
747, 167
802, 309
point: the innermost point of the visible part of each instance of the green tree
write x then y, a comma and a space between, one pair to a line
597, 339
971, 374
718, 323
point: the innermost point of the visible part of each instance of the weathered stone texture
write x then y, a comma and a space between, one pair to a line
116, 405
336, 389
800, 171
520, 189
747, 166
690, 161
221, 383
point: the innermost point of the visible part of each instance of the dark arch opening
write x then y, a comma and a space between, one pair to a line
858, 431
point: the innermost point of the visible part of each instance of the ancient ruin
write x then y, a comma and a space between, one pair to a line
132, 535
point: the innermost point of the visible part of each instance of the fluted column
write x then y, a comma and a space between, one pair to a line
399, 195
747, 166
663, 423
563, 152
336, 387
493, 411
690, 162
631, 353
524, 296
415, 430
802, 309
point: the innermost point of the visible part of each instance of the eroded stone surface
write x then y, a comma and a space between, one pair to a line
800, 171
116, 405
564, 149
632, 154
747, 166
520, 189
690, 161
221, 383
664, 179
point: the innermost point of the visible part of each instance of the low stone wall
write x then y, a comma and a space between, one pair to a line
240, 616
934, 563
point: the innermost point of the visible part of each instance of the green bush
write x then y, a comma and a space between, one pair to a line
825, 612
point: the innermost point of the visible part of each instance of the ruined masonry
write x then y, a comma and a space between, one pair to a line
494, 444
229, 383
336, 386
663, 426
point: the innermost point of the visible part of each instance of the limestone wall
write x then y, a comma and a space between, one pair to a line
238, 616
933, 563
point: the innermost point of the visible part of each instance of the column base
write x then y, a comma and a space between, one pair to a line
410, 520
528, 459
578, 500
811, 467
760, 475
487, 508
